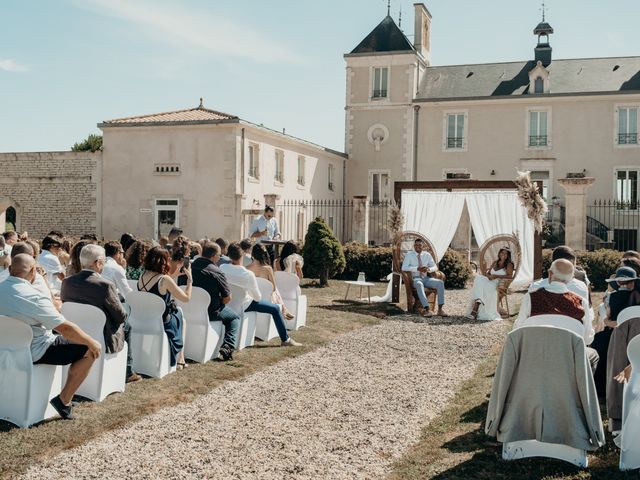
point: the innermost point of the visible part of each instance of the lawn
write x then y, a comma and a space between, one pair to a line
327, 318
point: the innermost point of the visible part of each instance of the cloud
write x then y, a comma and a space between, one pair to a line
201, 30
10, 65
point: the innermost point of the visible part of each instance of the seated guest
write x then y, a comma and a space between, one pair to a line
49, 260
156, 280
238, 275
174, 233
261, 268
485, 287
195, 250
555, 299
4, 256
179, 250
114, 267
19, 300
74, 260
135, 259
89, 287
10, 238
246, 245
126, 240
163, 241
615, 302
290, 259
224, 245
39, 282
420, 264
209, 277
576, 285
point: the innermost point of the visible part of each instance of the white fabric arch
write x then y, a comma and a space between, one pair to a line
436, 214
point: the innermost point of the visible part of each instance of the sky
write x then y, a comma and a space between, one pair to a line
66, 65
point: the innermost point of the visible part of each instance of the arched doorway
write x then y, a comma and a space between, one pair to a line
10, 213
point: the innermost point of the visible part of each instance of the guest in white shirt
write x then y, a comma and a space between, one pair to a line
421, 264
39, 282
114, 268
49, 260
10, 239
239, 276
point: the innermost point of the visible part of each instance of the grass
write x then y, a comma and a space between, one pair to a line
326, 319
454, 445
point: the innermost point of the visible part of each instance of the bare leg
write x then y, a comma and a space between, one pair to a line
78, 371
474, 310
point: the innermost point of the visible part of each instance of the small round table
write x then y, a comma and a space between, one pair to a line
361, 285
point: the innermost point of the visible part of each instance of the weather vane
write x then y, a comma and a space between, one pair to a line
543, 11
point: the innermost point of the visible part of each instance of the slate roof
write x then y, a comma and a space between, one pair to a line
192, 115
386, 37
574, 76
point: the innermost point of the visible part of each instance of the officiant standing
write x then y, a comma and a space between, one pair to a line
265, 227
422, 268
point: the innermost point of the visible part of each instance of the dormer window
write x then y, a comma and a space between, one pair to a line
539, 85
380, 82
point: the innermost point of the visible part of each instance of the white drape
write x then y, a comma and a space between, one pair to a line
434, 214
500, 212
492, 212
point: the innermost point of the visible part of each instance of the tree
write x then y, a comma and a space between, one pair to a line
92, 143
322, 252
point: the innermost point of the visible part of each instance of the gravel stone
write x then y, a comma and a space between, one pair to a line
343, 411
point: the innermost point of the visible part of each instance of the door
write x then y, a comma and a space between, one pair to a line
166, 216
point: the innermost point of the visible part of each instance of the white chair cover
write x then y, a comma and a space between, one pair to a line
25, 389
203, 338
630, 434
265, 326
629, 313
556, 321
289, 287
247, 333
149, 343
133, 284
108, 373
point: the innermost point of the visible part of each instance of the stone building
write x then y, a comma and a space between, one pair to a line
409, 120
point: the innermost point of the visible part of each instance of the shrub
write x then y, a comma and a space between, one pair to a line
599, 265
375, 262
322, 252
456, 267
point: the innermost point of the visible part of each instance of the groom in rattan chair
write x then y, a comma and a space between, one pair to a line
423, 269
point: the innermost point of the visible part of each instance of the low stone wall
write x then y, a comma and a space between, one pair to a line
52, 190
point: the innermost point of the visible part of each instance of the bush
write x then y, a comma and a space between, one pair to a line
375, 262
599, 265
457, 269
322, 252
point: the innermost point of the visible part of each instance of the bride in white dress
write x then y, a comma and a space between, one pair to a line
484, 295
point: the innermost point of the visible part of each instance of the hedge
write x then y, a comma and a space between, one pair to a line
376, 263
599, 265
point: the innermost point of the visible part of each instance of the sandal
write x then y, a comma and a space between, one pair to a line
289, 316
181, 365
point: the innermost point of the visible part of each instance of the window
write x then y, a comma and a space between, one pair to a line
455, 131
166, 216
279, 177
627, 188
539, 85
254, 162
331, 174
628, 126
538, 135
380, 82
301, 162
379, 186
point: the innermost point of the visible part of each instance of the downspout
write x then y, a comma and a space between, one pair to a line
242, 161
416, 109
344, 198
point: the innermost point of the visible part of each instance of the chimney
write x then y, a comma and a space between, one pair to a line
422, 31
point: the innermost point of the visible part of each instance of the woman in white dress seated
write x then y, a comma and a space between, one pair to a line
484, 295
290, 260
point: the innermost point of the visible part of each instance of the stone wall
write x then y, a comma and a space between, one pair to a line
52, 190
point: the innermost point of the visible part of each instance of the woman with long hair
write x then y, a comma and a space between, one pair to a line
135, 255
156, 280
484, 294
261, 267
290, 259
74, 260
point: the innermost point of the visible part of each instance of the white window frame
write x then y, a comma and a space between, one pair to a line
383, 197
171, 208
302, 165
279, 161
445, 130
331, 170
253, 164
372, 83
549, 144
615, 184
616, 126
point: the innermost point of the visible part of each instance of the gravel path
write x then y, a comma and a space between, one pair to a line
344, 411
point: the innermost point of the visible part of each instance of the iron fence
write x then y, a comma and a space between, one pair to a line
613, 224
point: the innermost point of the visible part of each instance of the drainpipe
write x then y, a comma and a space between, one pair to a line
242, 162
416, 109
344, 197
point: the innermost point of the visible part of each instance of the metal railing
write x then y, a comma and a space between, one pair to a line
279, 177
537, 140
380, 93
613, 224
627, 139
454, 142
